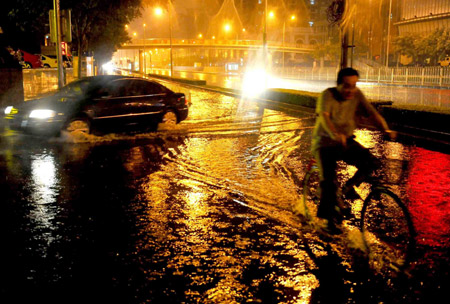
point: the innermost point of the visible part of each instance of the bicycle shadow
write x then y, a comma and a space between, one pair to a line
345, 276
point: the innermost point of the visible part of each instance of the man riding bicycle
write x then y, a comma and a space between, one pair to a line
338, 109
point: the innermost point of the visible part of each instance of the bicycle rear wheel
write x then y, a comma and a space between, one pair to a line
311, 195
387, 230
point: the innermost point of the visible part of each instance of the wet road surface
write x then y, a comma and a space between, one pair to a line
399, 94
203, 213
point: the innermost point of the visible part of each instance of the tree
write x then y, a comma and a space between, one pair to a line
24, 23
99, 25
405, 45
422, 48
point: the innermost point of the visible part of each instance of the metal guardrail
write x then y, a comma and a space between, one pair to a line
420, 76
40, 81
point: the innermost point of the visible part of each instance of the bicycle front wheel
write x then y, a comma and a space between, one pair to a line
387, 230
311, 195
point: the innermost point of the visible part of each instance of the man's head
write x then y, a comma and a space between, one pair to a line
346, 82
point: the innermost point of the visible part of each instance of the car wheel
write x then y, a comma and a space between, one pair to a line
46, 66
27, 65
80, 125
170, 118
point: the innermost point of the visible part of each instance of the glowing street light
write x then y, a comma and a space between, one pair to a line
158, 11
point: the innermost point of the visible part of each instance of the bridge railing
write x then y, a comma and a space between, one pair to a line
420, 76
211, 42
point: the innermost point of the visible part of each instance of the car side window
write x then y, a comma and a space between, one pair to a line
153, 88
121, 88
143, 88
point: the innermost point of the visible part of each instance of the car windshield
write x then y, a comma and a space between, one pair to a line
76, 89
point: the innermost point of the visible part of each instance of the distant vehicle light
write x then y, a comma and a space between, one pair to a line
42, 114
108, 67
8, 110
255, 81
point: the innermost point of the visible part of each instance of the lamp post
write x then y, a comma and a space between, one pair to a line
284, 32
158, 12
57, 21
388, 33
170, 29
145, 57
151, 65
265, 28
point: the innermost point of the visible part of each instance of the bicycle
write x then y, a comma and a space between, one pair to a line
385, 223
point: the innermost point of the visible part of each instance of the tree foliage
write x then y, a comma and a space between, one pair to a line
424, 48
98, 26
24, 23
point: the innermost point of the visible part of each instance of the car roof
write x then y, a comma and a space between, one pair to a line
101, 80
108, 78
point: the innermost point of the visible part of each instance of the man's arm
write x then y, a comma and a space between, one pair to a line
330, 128
378, 119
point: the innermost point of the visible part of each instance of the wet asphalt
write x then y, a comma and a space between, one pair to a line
203, 213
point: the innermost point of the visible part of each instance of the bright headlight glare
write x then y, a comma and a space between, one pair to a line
8, 110
42, 114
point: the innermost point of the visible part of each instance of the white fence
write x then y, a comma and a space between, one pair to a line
420, 76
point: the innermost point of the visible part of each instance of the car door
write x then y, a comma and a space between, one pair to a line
148, 101
112, 105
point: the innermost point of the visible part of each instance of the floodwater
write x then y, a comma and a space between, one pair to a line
203, 213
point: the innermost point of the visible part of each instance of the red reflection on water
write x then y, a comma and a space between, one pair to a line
429, 195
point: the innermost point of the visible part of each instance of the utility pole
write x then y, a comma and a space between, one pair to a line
344, 47
388, 33
58, 43
265, 27
145, 56
170, 28
336, 13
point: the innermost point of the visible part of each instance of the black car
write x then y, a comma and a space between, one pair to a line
105, 102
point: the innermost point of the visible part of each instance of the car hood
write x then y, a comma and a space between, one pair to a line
55, 102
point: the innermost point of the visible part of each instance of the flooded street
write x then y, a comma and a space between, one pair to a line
204, 212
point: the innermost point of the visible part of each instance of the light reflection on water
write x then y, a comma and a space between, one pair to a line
44, 194
189, 201
429, 194
213, 207
421, 178
254, 156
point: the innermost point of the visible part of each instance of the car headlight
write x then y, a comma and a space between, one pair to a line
42, 114
8, 110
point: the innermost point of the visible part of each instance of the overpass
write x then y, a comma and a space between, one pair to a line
255, 45
213, 54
